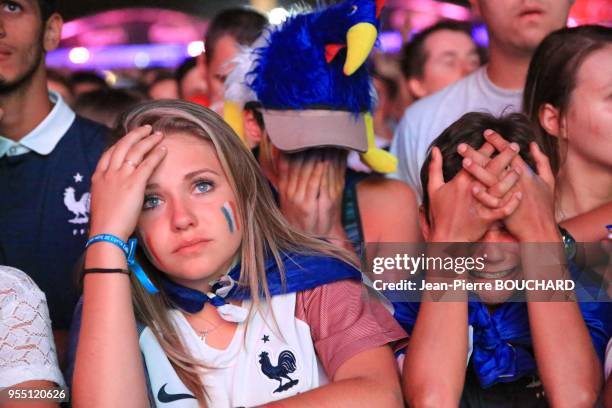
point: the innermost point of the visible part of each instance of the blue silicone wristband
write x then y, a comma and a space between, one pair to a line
129, 249
110, 239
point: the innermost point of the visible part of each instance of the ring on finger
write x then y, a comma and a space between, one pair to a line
130, 163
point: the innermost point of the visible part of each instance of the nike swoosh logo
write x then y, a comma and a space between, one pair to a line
163, 396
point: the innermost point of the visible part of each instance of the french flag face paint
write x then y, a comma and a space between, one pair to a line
229, 211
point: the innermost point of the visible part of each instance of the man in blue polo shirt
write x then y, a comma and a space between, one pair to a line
47, 156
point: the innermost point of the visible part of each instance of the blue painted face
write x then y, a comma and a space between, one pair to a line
229, 212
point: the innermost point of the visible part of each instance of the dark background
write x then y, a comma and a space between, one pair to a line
72, 9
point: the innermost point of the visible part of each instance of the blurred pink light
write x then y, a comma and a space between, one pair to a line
454, 11
420, 21
103, 36
164, 26
72, 28
391, 41
166, 33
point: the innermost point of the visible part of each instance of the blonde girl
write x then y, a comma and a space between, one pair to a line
225, 304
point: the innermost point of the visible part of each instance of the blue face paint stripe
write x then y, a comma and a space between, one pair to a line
228, 218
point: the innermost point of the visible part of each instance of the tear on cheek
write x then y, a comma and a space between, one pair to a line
229, 212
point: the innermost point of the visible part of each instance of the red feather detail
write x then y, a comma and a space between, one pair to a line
331, 50
379, 6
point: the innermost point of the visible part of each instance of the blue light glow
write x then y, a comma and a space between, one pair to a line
122, 56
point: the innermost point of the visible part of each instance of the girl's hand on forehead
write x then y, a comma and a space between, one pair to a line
119, 182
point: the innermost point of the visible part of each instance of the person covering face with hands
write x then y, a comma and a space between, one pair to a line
498, 192
307, 111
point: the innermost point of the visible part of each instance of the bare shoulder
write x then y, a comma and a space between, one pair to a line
389, 211
389, 193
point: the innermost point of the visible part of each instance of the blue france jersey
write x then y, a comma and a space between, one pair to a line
44, 213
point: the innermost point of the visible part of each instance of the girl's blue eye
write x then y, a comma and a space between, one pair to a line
150, 202
203, 186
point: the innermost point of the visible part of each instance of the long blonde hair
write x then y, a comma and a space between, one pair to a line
265, 232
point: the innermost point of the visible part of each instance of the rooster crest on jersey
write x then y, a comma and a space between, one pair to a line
80, 207
286, 365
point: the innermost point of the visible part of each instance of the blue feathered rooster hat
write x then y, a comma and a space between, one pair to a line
309, 75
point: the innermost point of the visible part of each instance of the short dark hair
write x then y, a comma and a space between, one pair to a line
80, 77
243, 24
255, 107
105, 105
184, 68
552, 73
413, 55
469, 129
47, 8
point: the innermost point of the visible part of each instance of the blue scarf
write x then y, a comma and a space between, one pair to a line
502, 343
302, 272
502, 347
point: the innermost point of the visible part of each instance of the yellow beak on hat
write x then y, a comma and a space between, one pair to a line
375, 158
360, 40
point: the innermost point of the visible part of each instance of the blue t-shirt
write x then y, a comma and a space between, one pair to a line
44, 213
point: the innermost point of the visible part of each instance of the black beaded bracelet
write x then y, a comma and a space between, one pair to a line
103, 270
